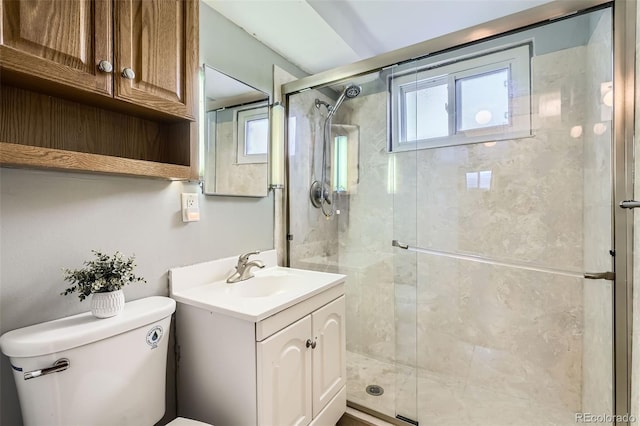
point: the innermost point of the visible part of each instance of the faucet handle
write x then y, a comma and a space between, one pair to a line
245, 257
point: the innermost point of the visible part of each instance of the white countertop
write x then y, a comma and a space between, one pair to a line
272, 290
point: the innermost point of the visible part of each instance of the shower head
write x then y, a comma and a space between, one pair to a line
350, 91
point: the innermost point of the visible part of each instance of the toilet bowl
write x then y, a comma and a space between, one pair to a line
89, 371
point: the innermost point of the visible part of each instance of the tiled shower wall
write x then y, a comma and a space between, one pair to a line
313, 237
225, 175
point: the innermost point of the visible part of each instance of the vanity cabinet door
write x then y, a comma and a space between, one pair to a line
155, 54
284, 376
329, 355
58, 41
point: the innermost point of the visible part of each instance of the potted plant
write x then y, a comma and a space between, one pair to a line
103, 278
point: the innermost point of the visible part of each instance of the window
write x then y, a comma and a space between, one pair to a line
426, 99
253, 135
483, 100
480, 99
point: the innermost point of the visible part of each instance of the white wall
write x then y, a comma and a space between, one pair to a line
50, 220
228, 48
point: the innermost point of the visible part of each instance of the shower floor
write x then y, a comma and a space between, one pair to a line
441, 400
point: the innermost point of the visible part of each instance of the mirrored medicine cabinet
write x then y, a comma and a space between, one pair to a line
236, 136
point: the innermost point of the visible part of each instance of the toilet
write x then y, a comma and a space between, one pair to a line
81, 370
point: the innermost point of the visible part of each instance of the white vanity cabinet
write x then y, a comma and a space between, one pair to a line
302, 367
287, 368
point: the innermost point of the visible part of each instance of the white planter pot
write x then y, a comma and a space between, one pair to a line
105, 305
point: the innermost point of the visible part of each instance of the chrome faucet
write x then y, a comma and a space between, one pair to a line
243, 268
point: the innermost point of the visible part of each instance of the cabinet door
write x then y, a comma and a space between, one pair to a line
157, 41
284, 376
329, 355
60, 41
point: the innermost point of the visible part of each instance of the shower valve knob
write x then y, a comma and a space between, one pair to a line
327, 198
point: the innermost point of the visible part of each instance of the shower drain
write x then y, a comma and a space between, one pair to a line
374, 390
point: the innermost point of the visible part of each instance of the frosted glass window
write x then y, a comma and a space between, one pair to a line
256, 136
483, 100
426, 113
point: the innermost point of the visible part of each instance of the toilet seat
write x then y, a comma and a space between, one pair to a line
181, 421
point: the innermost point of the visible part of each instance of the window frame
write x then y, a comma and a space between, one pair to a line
241, 118
516, 59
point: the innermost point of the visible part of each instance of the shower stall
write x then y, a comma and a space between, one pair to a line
465, 194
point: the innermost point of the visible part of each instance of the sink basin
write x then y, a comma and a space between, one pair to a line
264, 285
271, 290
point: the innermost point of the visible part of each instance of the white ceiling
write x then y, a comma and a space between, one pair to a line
317, 35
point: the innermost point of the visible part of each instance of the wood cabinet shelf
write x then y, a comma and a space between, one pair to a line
40, 131
58, 159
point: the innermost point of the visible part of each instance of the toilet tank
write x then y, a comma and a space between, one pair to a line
116, 367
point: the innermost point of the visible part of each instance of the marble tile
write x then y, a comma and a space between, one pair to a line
313, 234
597, 392
434, 399
363, 371
232, 177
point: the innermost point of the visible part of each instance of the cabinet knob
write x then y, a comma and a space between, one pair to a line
105, 66
311, 343
128, 74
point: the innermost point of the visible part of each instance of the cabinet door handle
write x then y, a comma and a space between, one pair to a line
311, 343
105, 66
128, 74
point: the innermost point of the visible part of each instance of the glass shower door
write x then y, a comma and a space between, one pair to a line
403, 175
507, 329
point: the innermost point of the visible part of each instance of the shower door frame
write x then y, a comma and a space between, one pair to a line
624, 41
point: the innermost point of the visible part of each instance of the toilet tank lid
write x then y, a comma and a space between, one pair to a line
77, 330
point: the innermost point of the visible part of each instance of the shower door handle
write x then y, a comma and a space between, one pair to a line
629, 204
398, 244
611, 276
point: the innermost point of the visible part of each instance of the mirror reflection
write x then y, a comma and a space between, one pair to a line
236, 141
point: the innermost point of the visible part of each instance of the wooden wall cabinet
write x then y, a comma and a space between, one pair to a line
113, 71
152, 39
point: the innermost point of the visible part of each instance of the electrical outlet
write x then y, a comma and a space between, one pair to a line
190, 207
